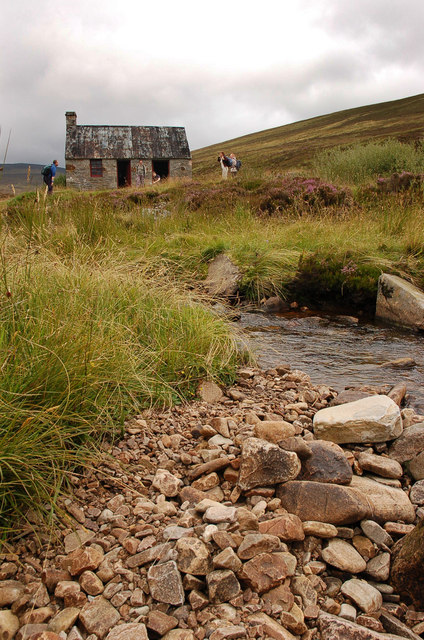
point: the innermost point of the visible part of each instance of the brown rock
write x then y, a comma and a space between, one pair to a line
222, 586
193, 556
160, 622
407, 571
265, 571
149, 555
333, 504
380, 465
9, 624
99, 616
128, 631
63, 620
209, 392
281, 596
273, 430
10, 590
264, 464
287, 527
91, 583
326, 464
84, 559
208, 467
270, 627
165, 583
336, 628
255, 543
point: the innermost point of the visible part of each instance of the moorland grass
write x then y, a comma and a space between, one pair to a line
103, 314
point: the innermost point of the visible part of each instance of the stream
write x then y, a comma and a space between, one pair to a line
337, 350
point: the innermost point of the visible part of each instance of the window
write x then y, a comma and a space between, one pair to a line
96, 168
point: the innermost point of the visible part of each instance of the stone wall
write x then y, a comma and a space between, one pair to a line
78, 173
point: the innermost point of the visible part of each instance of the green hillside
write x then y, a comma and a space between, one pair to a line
292, 146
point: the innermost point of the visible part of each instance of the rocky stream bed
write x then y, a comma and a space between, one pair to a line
273, 509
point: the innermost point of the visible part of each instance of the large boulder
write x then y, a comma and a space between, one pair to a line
264, 464
373, 419
407, 570
328, 463
409, 444
387, 504
223, 277
400, 302
330, 503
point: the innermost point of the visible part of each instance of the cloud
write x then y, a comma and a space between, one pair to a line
219, 72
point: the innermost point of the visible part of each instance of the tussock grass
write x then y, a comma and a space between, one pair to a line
102, 312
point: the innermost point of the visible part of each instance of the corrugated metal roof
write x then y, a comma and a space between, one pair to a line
84, 141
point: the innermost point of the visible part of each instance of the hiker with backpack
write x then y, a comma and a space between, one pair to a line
48, 173
225, 163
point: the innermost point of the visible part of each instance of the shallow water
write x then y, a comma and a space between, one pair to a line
336, 352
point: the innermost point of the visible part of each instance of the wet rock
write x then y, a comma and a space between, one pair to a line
98, 616
373, 419
327, 463
366, 597
333, 504
344, 556
223, 586
350, 395
264, 464
165, 583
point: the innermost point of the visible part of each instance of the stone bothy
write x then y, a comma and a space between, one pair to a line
106, 157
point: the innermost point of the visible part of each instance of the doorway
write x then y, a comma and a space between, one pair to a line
124, 173
161, 167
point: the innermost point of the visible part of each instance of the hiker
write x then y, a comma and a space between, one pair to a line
225, 162
140, 174
155, 177
49, 173
233, 168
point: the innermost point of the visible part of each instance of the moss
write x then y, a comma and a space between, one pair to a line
325, 280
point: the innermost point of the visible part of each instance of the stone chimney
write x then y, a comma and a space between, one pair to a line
71, 119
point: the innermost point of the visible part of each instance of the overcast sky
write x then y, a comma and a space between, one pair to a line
221, 69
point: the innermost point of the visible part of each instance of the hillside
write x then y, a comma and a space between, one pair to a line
21, 178
292, 146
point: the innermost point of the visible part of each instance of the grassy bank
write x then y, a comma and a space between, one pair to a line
103, 312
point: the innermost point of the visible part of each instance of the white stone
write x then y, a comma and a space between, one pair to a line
373, 419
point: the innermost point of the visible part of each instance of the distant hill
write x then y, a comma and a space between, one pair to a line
293, 146
23, 177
